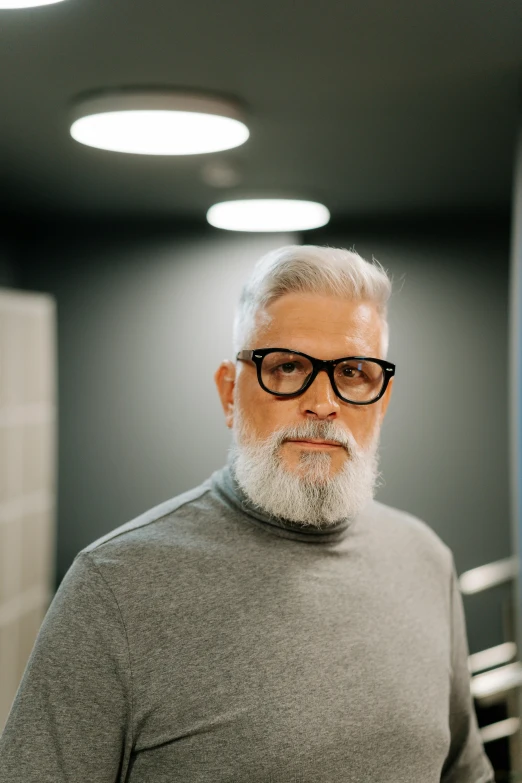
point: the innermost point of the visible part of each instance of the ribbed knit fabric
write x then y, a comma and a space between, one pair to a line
207, 641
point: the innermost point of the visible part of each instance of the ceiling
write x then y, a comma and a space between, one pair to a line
376, 108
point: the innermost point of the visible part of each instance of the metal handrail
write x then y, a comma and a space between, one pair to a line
484, 577
497, 682
499, 730
501, 683
494, 656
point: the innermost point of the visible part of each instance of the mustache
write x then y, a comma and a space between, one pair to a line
319, 430
314, 431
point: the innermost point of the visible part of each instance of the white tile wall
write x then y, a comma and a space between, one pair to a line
27, 479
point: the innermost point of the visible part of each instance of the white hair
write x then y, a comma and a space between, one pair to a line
310, 269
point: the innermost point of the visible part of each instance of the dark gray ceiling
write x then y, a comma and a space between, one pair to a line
375, 107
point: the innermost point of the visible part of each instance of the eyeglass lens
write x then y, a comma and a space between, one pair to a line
357, 380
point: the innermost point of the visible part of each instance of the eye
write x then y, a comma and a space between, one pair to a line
287, 367
346, 370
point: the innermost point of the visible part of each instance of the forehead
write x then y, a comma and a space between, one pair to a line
320, 325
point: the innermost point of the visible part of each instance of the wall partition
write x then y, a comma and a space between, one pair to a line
515, 406
27, 479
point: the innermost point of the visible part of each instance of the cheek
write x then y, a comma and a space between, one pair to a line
264, 414
252, 408
361, 423
266, 417
368, 428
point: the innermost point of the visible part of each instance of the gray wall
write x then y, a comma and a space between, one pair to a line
145, 319
143, 324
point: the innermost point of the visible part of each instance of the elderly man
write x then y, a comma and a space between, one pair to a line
276, 623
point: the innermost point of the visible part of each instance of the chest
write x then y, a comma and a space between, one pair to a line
308, 675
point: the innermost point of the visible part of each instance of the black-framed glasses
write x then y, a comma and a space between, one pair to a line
360, 380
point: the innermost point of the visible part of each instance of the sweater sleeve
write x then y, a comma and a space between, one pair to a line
466, 761
72, 714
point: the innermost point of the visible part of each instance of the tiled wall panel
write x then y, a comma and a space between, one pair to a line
27, 479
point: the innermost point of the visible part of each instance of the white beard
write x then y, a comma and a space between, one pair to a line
308, 495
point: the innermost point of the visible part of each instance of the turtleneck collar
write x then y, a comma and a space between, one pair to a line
226, 484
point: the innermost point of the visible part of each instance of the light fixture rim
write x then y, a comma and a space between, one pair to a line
303, 199
34, 4
155, 99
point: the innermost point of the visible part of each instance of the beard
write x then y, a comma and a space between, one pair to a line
308, 495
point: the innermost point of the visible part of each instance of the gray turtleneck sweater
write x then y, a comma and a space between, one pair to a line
208, 641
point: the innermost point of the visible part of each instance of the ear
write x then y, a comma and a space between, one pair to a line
225, 379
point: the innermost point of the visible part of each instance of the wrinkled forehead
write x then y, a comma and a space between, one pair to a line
312, 322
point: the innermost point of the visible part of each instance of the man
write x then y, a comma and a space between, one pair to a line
276, 623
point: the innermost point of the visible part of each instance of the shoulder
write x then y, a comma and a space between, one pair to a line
156, 524
408, 536
152, 549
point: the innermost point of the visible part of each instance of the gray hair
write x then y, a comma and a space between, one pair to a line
310, 269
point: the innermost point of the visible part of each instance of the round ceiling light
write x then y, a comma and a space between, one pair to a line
158, 123
26, 3
268, 215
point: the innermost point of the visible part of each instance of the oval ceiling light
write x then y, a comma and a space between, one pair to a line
268, 215
26, 3
158, 123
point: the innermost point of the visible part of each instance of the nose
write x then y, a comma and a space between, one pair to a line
320, 398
